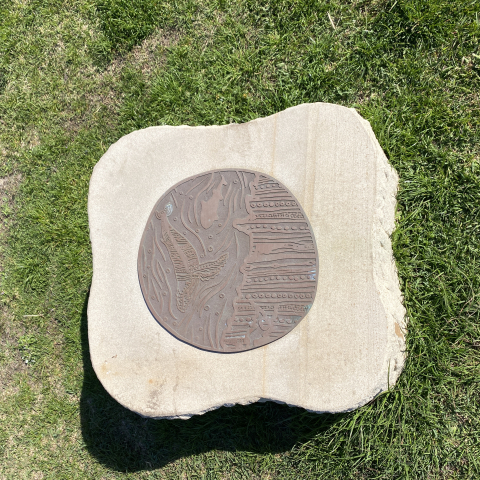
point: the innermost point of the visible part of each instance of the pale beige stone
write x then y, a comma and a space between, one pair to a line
348, 349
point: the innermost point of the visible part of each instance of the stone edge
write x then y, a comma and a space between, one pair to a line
384, 271
384, 268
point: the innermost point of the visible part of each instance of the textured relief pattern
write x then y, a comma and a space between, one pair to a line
228, 261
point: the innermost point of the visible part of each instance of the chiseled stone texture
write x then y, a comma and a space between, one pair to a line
350, 346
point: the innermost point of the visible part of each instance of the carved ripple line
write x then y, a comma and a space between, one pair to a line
222, 244
144, 263
245, 179
235, 201
174, 200
241, 182
228, 216
195, 186
169, 295
159, 297
226, 195
212, 187
190, 230
236, 244
195, 213
157, 244
209, 332
217, 339
157, 267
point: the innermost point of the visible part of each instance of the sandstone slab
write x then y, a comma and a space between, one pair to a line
347, 349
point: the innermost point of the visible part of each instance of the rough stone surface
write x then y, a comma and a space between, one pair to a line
347, 349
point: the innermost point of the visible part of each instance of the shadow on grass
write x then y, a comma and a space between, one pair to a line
124, 441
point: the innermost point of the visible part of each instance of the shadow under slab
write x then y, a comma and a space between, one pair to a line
123, 441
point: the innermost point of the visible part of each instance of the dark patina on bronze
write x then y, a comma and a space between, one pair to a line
228, 261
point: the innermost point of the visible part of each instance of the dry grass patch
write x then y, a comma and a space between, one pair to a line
147, 58
10, 360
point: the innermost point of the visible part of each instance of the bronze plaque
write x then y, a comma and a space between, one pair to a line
228, 261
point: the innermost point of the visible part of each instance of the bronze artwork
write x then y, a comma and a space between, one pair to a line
228, 261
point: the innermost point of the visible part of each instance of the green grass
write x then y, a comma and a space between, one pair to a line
75, 75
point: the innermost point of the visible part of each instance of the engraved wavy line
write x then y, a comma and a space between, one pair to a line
285, 301
188, 215
161, 306
223, 243
259, 270
159, 297
275, 190
280, 242
144, 258
187, 318
245, 179
241, 183
213, 185
235, 201
228, 216
158, 283
265, 286
278, 258
209, 332
274, 235
157, 244
174, 200
277, 271
298, 265
276, 196
217, 339
202, 290
195, 186
226, 196
293, 246
185, 322
188, 191
144, 261
278, 200
212, 179
278, 288
277, 251
266, 275
281, 210
190, 230
208, 290
195, 214
228, 246
170, 295
158, 273
285, 248
237, 245
153, 249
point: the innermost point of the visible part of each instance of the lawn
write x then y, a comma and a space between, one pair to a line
76, 75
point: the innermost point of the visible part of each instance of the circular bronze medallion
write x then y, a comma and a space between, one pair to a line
228, 261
